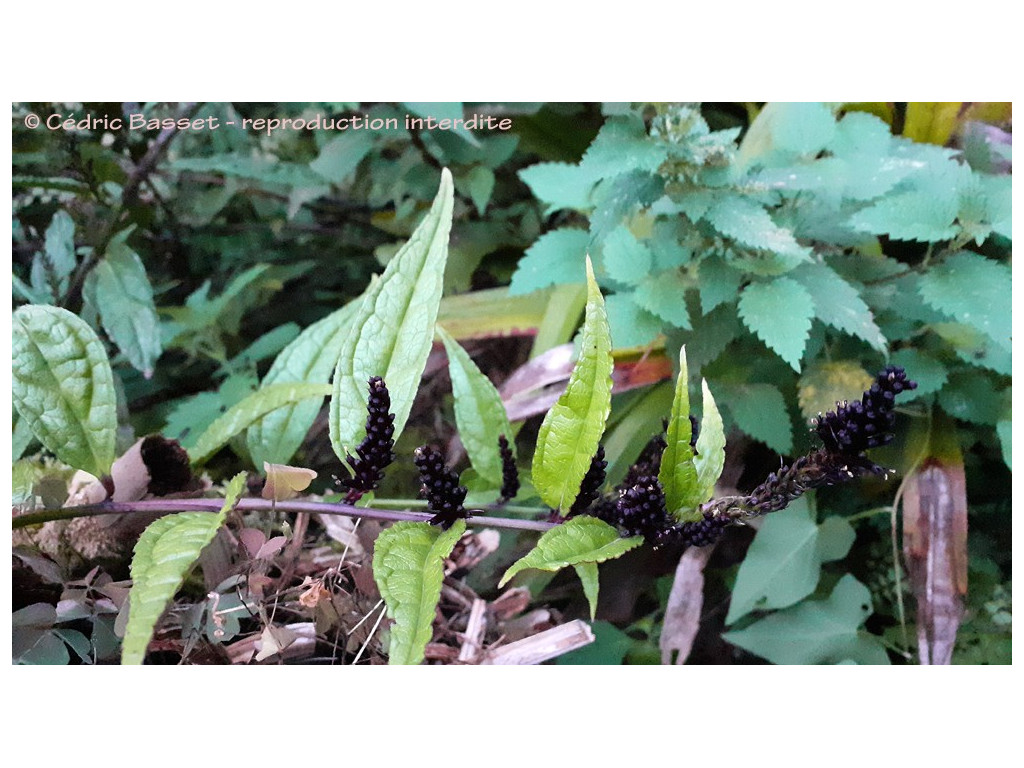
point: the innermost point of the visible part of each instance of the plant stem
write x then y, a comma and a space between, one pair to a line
422, 504
257, 505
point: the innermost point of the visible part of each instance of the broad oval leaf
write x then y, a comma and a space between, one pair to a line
311, 358
63, 386
479, 412
163, 555
779, 313
710, 458
243, 414
408, 566
393, 329
572, 429
678, 475
580, 539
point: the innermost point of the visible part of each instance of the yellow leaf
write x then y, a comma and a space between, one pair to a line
284, 482
823, 385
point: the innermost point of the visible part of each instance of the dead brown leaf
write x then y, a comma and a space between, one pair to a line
682, 612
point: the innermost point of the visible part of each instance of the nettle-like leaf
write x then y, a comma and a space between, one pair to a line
663, 294
52, 268
311, 358
779, 313
760, 411
242, 415
579, 541
63, 386
783, 564
118, 288
678, 475
817, 631
974, 291
559, 185
164, 553
838, 304
748, 223
408, 566
710, 458
479, 412
393, 328
572, 429
553, 260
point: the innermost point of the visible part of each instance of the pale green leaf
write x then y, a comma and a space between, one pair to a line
748, 223
479, 412
971, 396
973, 290
559, 185
311, 358
59, 250
786, 129
1004, 429
340, 156
678, 475
625, 258
393, 329
664, 294
589, 578
21, 437
480, 182
710, 457
622, 146
838, 304
556, 258
244, 414
408, 566
929, 373
581, 539
718, 283
631, 325
163, 555
63, 386
120, 291
816, 632
572, 429
760, 411
779, 313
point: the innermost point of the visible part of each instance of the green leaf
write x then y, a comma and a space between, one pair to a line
626, 259
393, 329
581, 539
718, 283
556, 258
787, 129
480, 182
816, 632
408, 566
664, 294
824, 384
632, 326
572, 429
559, 185
760, 411
779, 313
838, 304
748, 223
971, 396
783, 564
264, 169
678, 475
974, 347
710, 458
588, 577
609, 647
120, 291
243, 414
21, 437
929, 373
1004, 429
163, 555
974, 291
63, 386
340, 156
479, 412
311, 358
622, 146
52, 272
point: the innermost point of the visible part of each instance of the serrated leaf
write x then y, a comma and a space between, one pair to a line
408, 566
163, 555
748, 223
786, 129
718, 283
816, 632
678, 475
926, 212
119, 289
974, 291
838, 304
779, 313
572, 429
63, 386
59, 253
632, 326
242, 415
929, 373
393, 329
974, 347
589, 578
824, 384
664, 294
971, 396
710, 458
622, 146
625, 258
479, 412
559, 185
556, 258
581, 539
616, 198
311, 358
760, 411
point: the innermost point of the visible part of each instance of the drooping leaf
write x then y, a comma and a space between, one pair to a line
718, 284
838, 304
710, 457
63, 386
311, 358
163, 555
572, 429
393, 328
749, 224
683, 608
245, 413
408, 566
480, 181
678, 475
581, 539
816, 631
555, 258
284, 482
589, 578
779, 313
479, 412
974, 291
120, 291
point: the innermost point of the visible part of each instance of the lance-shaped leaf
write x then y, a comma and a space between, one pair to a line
163, 555
310, 358
408, 566
678, 474
393, 329
710, 458
479, 412
572, 429
243, 414
120, 291
63, 386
